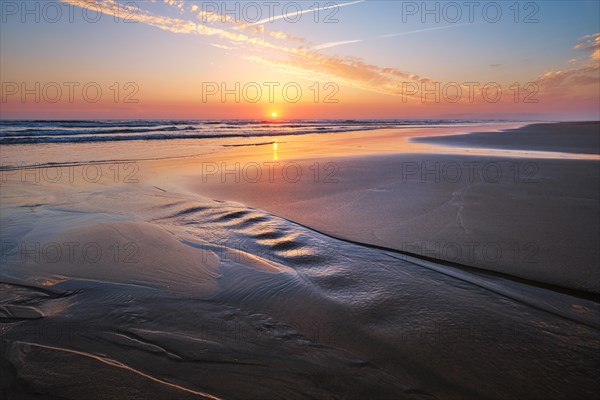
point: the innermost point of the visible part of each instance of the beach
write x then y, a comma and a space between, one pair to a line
449, 261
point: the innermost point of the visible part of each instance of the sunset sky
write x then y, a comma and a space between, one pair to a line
173, 57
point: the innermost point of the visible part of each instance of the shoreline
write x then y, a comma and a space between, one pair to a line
222, 144
411, 144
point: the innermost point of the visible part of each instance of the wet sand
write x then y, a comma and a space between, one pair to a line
182, 285
531, 217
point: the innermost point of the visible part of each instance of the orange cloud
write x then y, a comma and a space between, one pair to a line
578, 78
310, 63
591, 44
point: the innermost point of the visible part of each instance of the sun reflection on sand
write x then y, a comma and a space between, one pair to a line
275, 155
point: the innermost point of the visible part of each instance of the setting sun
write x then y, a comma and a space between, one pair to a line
273, 114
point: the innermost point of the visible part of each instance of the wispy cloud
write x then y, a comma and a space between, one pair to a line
420, 30
350, 70
584, 73
312, 64
590, 43
334, 44
175, 25
307, 62
221, 46
340, 69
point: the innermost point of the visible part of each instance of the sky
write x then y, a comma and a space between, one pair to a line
173, 59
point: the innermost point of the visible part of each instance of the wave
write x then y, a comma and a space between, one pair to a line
42, 131
31, 132
90, 138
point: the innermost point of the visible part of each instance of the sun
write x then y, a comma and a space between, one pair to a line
274, 114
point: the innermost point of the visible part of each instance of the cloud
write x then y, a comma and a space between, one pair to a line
175, 25
311, 63
179, 4
351, 70
283, 36
334, 44
495, 65
221, 46
420, 30
573, 76
590, 44
300, 59
583, 75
